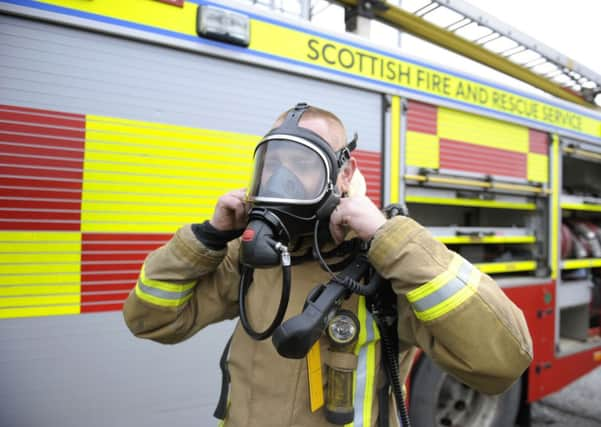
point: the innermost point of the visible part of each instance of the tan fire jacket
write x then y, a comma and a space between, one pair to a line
448, 308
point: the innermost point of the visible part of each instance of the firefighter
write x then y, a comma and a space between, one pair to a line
446, 307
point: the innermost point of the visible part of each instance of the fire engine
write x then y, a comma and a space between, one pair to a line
121, 121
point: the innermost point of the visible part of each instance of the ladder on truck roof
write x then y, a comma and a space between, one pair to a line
464, 29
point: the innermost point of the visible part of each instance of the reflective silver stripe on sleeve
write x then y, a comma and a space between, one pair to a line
446, 291
159, 293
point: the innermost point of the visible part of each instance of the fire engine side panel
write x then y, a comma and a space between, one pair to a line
91, 125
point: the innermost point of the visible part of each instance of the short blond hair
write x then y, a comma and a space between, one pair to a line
339, 132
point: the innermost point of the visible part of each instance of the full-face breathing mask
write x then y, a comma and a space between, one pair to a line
292, 192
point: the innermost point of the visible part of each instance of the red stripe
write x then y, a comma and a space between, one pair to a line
42, 140
73, 164
93, 308
39, 225
42, 130
41, 204
95, 276
45, 119
481, 159
47, 184
40, 194
39, 172
129, 267
539, 141
422, 117
105, 237
108, 287
39, 111
372, 173
119, 246
39, 151
109, 296
111, 256
15, 214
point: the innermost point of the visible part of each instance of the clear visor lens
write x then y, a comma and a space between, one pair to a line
287, 170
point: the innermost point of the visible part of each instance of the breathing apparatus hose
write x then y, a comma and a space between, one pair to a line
392, 366
245, 282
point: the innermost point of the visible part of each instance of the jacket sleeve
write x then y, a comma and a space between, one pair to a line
183, 287
459, 316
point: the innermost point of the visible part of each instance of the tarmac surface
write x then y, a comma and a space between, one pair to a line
577, 405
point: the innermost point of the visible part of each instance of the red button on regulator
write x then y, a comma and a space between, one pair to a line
248, 235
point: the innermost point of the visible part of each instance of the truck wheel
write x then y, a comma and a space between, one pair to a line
439, 400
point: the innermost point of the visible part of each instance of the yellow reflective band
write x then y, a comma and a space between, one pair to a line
315, 377
452, 302
436, 283
165, 286
364, 377
162, 293
161, 301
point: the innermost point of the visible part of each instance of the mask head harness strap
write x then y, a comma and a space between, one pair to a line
290, 126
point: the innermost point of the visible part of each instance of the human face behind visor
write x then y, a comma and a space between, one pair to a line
288, 171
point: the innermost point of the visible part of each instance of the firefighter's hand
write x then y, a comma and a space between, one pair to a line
357, 213
231, 212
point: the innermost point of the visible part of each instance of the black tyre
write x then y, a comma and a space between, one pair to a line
439, 400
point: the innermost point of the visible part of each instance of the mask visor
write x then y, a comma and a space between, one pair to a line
288, 171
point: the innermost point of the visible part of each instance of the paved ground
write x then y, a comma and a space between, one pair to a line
578, 405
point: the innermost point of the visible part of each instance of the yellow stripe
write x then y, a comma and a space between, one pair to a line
95, 211
13, 291
166, 286
452, 302
160, 301
556, 189
423, 150
42, 279
39, 300
147, 215
146, 182
128, 227
167, 198
395, 148
30, 258
153, 13
9, 313
506, 267
485, 239
48, 247
12, 269
170, 186
369, 382
468, 202
438, 282
581, 207
102, 125
572, 264
154, 167
538, 167
479, 130
148, 191
41, 237
315, 377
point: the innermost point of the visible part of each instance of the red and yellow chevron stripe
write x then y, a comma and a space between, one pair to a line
441, 138
85, 199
